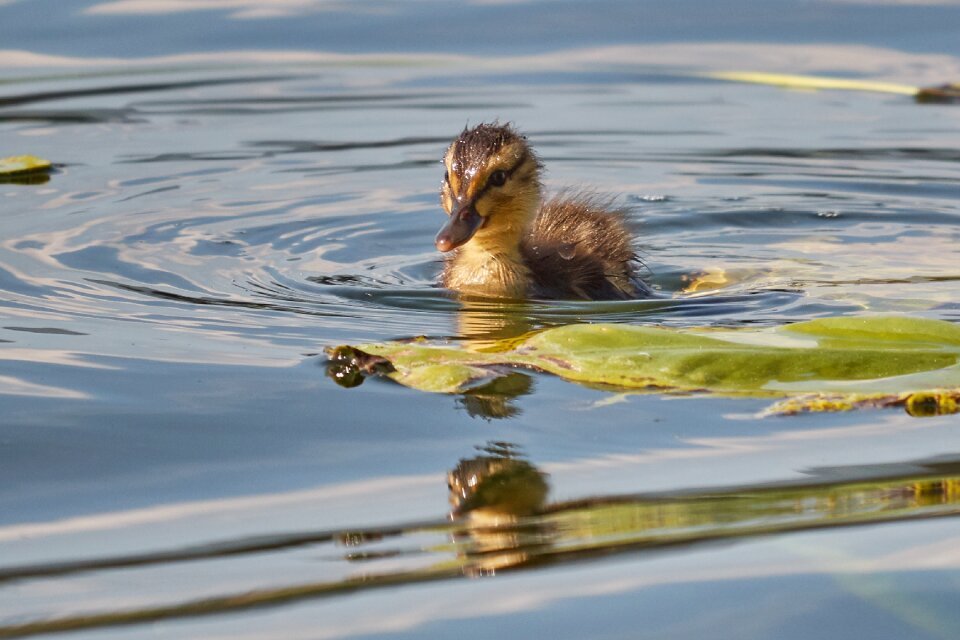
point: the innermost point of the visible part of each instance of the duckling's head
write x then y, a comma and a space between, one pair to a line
491, 189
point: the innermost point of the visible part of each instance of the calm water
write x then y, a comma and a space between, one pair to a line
238, 188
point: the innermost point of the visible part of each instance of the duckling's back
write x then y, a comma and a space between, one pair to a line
579, 248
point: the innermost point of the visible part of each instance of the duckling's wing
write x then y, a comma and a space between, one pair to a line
579, 246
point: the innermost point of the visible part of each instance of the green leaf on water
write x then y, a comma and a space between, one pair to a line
822, 365
19, 165
24, 170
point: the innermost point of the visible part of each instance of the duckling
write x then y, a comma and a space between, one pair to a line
503, 240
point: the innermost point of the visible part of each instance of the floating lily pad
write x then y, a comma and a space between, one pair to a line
821, 365
20, 165
24, 170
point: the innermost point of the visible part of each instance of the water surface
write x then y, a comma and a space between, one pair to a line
224, 208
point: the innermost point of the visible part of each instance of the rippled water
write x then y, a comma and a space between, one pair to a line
174, 459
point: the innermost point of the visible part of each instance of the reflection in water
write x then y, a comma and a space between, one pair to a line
485, 324
501, 521
497, 487
491, 494
495, 399
26, 178
488, 323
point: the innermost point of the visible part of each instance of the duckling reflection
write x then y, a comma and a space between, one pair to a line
495, 401
489, 324
498, 484
491, 494
504, 240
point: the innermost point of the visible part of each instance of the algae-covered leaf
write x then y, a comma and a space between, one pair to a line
20, 165
24, 170
919, 404
820, 365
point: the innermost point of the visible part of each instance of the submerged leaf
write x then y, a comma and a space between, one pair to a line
920, 404
821, 365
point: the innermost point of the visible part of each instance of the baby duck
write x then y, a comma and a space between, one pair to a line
504, 240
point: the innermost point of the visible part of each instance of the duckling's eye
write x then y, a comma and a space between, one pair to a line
446, 177
498, 178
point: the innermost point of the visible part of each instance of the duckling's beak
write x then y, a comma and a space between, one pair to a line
461, 226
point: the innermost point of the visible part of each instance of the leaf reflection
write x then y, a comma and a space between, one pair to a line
502, 522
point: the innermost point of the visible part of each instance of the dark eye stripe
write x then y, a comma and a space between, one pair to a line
509, 172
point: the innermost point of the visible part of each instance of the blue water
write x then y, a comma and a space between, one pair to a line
237, 189
505, 28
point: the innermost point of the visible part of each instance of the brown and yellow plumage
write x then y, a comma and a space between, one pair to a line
504, 240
